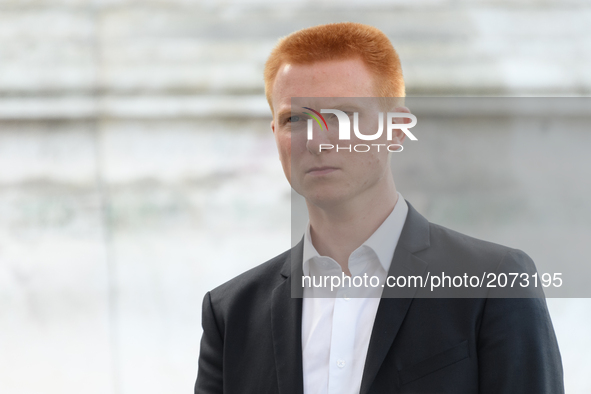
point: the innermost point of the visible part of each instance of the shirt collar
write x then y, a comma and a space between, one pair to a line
383, 241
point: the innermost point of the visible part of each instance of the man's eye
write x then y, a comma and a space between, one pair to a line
294, 118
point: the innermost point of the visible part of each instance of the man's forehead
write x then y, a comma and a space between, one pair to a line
295, 104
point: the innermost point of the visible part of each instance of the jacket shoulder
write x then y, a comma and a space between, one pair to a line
443, 235
465, 249
260, 279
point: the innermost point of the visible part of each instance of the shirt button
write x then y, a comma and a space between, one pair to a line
340, 363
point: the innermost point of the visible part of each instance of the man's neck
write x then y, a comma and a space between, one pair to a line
338, 231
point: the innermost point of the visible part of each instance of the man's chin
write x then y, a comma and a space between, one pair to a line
325, 199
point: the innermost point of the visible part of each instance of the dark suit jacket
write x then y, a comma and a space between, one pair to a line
252, 329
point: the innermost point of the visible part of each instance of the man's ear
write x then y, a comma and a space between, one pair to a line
273, 125
405, 110
398, 135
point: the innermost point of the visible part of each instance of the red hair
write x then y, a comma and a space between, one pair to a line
340, 41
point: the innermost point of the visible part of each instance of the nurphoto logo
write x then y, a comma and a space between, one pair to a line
344, 124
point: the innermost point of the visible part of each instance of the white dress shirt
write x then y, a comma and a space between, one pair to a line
336, 330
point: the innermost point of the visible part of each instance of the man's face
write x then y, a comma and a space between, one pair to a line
327, 177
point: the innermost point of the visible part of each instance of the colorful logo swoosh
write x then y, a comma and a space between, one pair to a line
316, 118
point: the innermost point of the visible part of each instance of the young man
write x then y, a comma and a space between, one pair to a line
258, 339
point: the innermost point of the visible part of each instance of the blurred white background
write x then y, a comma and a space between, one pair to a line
138, 169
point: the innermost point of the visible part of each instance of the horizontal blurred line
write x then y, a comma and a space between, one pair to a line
255, 106
163, 107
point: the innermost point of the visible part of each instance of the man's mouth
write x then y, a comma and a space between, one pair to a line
321, 170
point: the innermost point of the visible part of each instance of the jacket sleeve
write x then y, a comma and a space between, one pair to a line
517, 348
210, 373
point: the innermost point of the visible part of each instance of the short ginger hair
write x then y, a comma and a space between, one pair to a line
340, 41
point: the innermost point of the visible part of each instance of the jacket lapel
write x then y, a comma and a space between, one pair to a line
396, 301
286, 321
